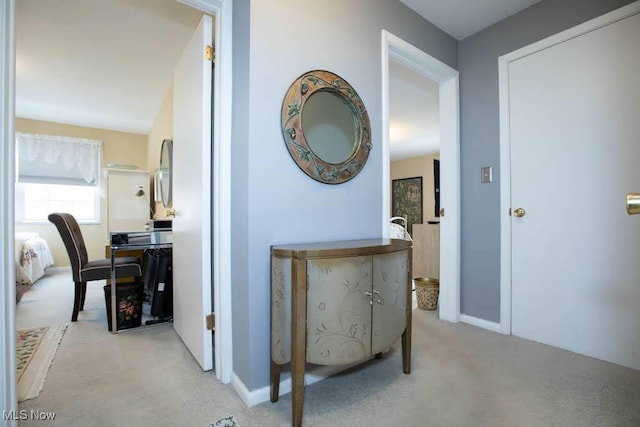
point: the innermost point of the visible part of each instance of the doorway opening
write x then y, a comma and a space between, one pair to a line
220, 191
396, 51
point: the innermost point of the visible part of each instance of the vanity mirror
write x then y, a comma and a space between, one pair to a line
326, 127
165, 170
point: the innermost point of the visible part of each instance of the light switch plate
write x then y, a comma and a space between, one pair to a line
486, 175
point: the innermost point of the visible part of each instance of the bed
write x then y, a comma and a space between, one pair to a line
33, 256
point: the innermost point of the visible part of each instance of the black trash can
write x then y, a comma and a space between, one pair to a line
129, 300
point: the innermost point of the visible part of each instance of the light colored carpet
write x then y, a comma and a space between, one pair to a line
461, 376
35, 350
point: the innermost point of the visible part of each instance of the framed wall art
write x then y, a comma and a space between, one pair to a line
406, 200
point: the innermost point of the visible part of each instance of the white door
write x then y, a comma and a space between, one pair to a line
575, 153
192, 196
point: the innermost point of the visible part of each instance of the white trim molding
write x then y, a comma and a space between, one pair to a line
8, 399
208, 6
398, 50
481, 323
505, 142
222, 101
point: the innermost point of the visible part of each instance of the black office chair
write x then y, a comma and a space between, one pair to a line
84, 270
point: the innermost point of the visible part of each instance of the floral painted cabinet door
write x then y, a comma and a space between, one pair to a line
390, 302
339, 310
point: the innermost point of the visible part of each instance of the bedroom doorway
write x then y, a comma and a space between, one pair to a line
399, 51
220, 191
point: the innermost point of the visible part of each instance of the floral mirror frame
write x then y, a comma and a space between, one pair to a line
292, 109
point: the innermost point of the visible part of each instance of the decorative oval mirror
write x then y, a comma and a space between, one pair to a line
326, 127
165, 170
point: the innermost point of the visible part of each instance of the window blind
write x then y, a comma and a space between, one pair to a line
49, 159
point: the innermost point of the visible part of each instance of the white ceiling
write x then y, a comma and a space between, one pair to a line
109, 63
462, 18
413, 113
98, 63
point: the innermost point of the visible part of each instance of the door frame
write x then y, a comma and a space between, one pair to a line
221, 174
397, 50
505, 142
9, 398
222, 10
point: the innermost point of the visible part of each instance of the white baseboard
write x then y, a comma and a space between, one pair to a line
481, 323
241, 389
255, 397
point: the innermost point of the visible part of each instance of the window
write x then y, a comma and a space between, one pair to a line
34, 202
57, 174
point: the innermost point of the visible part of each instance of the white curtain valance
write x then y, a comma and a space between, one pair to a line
58, 159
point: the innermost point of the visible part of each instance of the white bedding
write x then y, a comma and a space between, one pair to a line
33, 256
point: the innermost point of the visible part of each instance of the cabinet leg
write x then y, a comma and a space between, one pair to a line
297, 392
275, 381
406, 351
298, 338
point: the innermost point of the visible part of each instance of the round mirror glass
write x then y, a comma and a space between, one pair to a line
329, 127
325, 127
166, 160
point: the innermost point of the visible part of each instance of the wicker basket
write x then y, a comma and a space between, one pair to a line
427, 290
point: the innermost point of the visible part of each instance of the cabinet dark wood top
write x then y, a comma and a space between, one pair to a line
339, 249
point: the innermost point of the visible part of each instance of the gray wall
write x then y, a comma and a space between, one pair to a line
480, 138
274, 201
239, 182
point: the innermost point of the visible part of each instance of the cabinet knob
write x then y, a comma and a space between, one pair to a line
379, 300
369, 294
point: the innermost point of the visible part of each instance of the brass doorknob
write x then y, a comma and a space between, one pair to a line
633, 203
519, 213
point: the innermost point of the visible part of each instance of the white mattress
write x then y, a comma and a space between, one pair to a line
32, 255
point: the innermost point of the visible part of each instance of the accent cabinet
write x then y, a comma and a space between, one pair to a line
337, 303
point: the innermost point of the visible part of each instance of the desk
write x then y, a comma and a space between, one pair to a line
132, 241
136, 254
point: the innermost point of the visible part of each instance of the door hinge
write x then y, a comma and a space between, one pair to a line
210, 53
211, 322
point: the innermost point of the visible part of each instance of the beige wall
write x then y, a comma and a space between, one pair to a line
414, 167
162, 129
117, 147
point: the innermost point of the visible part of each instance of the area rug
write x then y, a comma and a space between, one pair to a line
35, 350
229, 421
